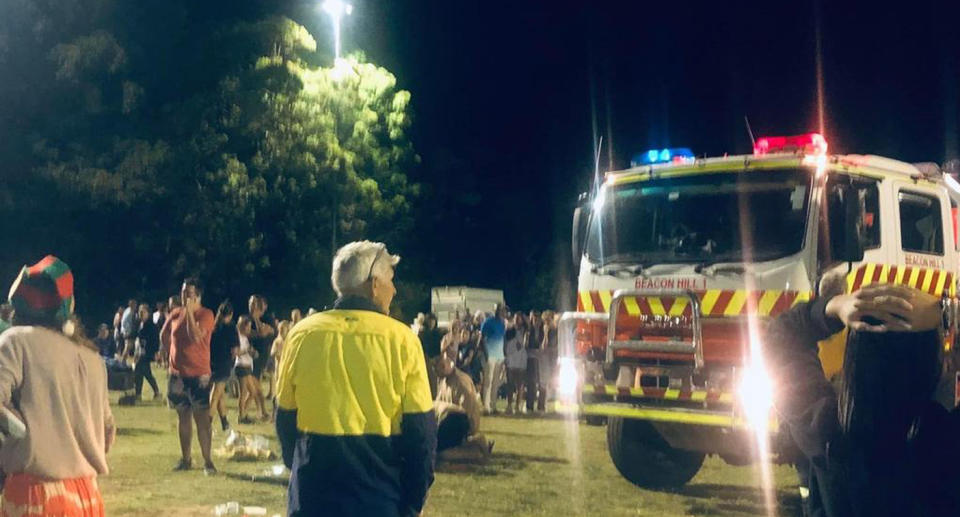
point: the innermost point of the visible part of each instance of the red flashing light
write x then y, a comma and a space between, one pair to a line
810, 143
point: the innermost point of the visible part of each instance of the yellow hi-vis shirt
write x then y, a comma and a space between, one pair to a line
352, 372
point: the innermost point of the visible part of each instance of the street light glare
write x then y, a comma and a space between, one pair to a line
336, 9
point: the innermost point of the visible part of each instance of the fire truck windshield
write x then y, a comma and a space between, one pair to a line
702, 218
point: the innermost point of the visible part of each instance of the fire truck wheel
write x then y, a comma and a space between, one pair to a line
646, 459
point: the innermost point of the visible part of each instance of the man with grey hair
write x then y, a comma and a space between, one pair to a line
355, 416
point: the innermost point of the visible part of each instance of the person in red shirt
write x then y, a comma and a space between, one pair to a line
186, 338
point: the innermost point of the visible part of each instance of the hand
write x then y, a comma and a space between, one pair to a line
204, 381
889, 307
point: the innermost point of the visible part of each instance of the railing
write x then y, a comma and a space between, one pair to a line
694, 346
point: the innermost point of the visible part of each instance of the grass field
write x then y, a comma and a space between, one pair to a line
539, 467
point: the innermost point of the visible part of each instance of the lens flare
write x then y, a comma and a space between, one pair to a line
756, 395
567, 380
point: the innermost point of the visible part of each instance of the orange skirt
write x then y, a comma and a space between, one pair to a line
28, 496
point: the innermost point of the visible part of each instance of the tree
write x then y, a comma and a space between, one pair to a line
175, 138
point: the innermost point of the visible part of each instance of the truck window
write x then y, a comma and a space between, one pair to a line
921, 224
831, 220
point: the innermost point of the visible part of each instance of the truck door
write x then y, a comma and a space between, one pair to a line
921, 216
830, 229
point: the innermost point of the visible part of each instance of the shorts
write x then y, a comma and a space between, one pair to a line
242, 371
220, 374
515, 378
186, 393
259, 363
24, 494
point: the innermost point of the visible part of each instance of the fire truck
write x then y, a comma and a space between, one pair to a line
682, 259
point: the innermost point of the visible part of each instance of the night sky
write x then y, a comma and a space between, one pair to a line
506, 96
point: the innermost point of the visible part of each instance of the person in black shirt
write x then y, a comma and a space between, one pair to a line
223, 344
262, 333
148, 337
430, 337
881, 446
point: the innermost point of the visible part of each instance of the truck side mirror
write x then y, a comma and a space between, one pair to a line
851, 245
581, 215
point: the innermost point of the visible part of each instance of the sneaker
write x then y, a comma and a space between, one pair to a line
158, 396
209, 469
183, 465
224, 424
246, 420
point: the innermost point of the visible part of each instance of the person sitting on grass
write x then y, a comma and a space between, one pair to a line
458, 411
57, 388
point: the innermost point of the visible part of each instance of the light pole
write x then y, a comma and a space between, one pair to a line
337, 9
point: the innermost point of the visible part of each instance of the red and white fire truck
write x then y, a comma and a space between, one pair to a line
681, 259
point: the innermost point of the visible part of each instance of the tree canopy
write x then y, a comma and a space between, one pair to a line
146, 141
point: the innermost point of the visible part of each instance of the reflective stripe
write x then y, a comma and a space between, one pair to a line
932, 281
666, 415
660, 393
713, 302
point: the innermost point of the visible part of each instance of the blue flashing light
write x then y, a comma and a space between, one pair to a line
666, 155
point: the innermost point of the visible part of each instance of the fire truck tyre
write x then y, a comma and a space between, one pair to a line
644, 457
597, 420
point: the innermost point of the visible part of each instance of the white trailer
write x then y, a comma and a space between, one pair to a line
448, 301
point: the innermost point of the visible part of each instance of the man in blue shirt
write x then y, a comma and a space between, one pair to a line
491, 336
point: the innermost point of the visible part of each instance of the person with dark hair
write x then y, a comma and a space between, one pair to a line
882, 446
148, 338
536, 390
223, 348
57, 388
250, 388
104, 341
430, 337
491, 340
263, 331
186, 335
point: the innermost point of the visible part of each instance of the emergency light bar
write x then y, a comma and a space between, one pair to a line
666, 155
810, 143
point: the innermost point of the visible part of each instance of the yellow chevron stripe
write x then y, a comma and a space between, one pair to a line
941, 282
884, 271
914, 275
630, 303
868, 274
587, 302
671, 394
679, 305
736, 303
709, 300
927, 280
698, 396
899, 278
605, 297
656, 306
767, 301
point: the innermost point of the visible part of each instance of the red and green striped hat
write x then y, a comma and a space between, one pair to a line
44, 290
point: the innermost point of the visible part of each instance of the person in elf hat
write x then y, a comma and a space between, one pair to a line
61, 398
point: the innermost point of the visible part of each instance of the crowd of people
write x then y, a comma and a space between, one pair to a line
502, 349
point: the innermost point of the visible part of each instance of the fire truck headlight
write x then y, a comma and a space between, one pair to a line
756, 395
568, 379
